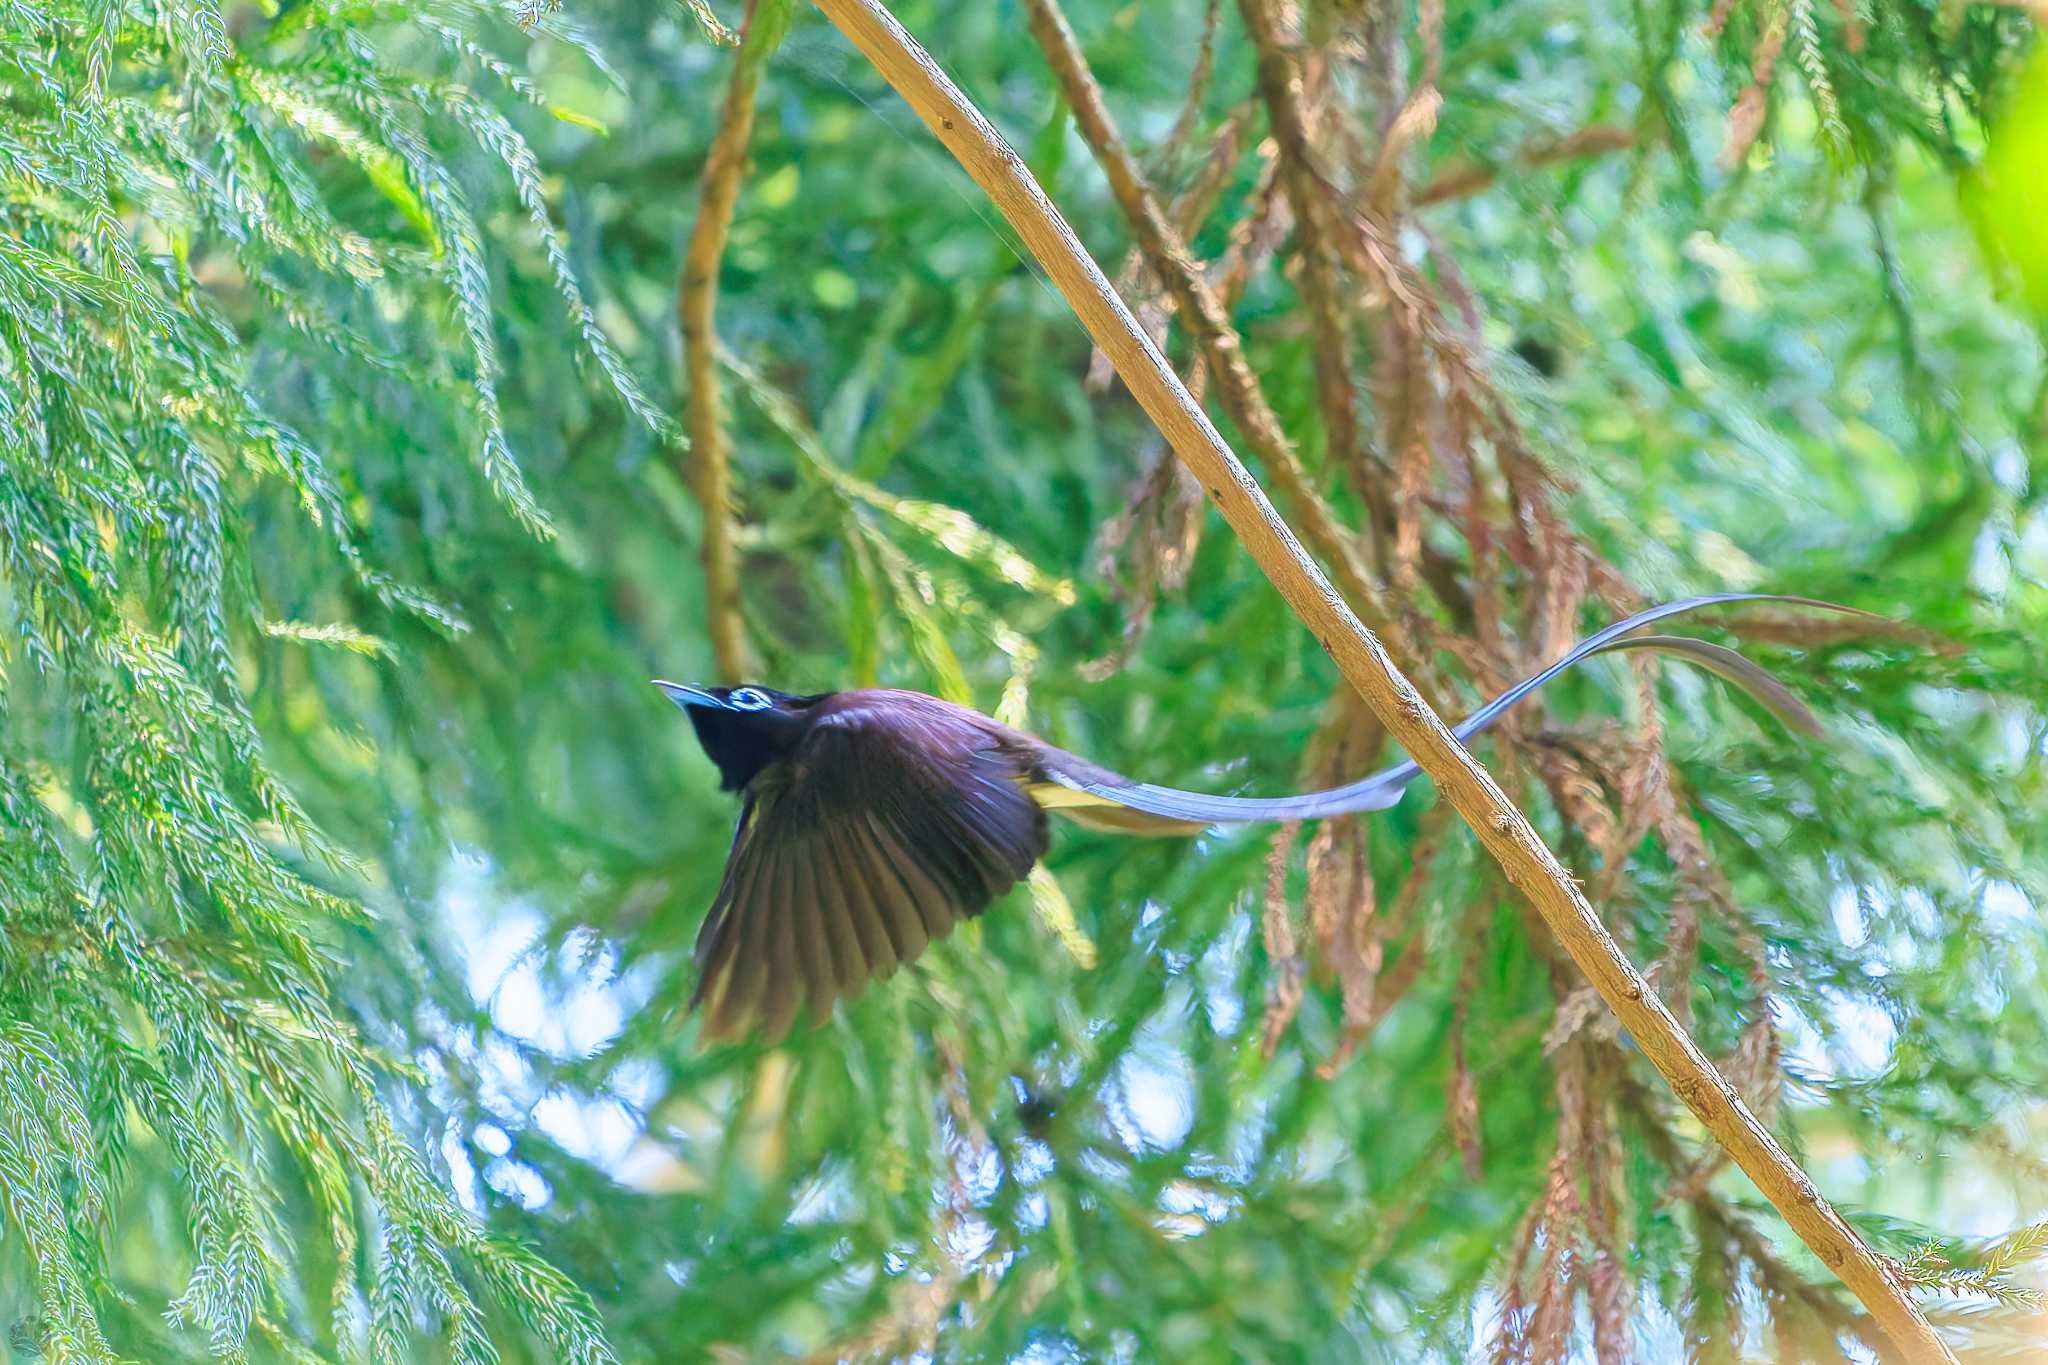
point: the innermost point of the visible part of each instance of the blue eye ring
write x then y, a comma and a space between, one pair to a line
748, 699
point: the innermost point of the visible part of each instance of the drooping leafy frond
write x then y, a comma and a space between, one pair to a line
234, 248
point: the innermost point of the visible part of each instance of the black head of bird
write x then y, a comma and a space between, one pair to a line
743, 729
873, 821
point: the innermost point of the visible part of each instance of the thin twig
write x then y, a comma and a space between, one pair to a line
1198, 87
1364, 662
1202, 312
1469, 178
1318, 211
1190, 211
1321, 289
1291, 92
710, 471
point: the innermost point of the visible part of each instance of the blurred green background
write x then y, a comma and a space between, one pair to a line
349, 867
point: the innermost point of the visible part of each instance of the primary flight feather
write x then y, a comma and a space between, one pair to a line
873, 821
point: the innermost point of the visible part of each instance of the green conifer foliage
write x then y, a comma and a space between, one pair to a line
348, 868
235, 247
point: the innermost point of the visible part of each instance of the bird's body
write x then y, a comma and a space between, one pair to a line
873, 821
891, 817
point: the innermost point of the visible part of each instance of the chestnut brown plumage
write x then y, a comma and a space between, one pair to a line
873, 821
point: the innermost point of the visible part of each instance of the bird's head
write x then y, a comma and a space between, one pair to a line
743, 729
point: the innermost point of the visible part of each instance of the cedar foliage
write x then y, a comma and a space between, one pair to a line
351, 868
235, 249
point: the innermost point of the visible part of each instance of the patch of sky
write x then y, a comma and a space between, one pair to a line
563, 1000
1153, 1103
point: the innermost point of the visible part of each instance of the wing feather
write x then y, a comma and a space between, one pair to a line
779, 982
865, 917
895, 903
918, 903
930, 839
718, 923
732, 978
896, 817
753, 950
807, 915
837, 913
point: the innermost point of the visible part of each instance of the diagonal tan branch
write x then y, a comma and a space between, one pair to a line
1507, 835
710, 469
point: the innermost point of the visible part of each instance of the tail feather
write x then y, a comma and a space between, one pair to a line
1384, 788
1726, 664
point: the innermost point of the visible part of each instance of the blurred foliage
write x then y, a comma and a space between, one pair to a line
350, 866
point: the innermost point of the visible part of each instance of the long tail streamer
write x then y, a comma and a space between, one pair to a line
1382, 789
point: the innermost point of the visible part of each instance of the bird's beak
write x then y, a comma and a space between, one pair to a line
685, 696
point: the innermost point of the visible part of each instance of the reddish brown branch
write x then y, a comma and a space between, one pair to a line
1201, 312
709, 473
1465, 179
1321, 284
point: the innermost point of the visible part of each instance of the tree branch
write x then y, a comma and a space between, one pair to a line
1364, 662
709, 474
1280, 88
1202, 312
1471, 177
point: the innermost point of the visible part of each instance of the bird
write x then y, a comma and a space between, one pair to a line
874, 820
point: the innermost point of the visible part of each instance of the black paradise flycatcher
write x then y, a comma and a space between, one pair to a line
873, 821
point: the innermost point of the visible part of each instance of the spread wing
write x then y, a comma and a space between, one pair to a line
894, 819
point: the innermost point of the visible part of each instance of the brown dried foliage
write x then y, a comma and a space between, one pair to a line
1160, 528
1576, 1221
1155, 538
1190, 211
1342, 904
1283, 996
1431, 454
1746, 118
1463, 1100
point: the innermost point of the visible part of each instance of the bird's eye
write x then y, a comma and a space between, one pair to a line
748, 699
